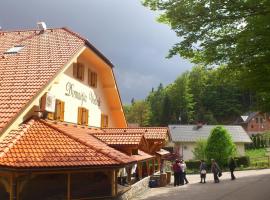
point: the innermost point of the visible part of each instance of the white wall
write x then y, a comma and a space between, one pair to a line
186, 149
61, 92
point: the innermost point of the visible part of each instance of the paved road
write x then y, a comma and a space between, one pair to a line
250, 185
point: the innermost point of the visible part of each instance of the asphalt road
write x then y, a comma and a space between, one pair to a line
246, 187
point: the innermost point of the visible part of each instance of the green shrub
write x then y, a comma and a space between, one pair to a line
242, 160
193, 164
199, 150
220, 146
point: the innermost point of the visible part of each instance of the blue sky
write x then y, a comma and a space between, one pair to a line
123, 30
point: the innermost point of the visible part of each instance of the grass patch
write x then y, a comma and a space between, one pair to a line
258, 158
255, 153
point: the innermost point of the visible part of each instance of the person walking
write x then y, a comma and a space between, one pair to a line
203, 171
176, 172
183, 169
232, 166
215, 169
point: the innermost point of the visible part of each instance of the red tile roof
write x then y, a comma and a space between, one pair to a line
24, 74
150, 133
39, 144
118, 138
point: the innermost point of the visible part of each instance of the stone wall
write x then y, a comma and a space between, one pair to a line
136, 189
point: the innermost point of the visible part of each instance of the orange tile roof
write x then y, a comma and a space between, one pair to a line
39, 144
24, 74
150, 133
142, 156
118, 138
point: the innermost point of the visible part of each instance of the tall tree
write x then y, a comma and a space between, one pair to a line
234, 33
138, 112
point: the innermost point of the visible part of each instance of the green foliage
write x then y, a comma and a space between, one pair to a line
234, 33
254, 153
220, 145
138, 112
199, 150
242, 160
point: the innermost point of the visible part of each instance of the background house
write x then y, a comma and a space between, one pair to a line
254, 122
184, 137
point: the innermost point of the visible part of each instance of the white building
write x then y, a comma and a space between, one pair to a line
184, 137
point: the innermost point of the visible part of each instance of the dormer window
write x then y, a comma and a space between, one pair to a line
14, 50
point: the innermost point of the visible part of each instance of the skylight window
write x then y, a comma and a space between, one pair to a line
14, 49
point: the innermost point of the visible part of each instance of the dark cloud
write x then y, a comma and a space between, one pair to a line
125, 31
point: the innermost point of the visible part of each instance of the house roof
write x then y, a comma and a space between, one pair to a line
118, 138
150, 133
142, 156
42, 144
25, 73
190, 133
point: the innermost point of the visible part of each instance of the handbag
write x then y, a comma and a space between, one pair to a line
203, 171
219, 174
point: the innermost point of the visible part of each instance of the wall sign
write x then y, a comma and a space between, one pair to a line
81, 96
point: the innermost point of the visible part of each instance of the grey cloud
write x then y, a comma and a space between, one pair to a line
124, 30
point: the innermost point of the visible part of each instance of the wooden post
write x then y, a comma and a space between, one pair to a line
148, 168
158, 161
114, 182
13, 188
139, 170
153, 166
128, 169
68, 187
10, 187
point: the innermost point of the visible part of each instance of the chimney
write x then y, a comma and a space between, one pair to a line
199, 125
42, 26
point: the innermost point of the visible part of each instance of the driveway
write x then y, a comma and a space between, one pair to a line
249, 185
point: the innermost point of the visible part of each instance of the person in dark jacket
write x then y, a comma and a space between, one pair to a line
176, 172
215, 170
232, 166
203, 171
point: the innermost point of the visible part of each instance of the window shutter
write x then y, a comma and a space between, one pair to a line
86, 117
107, 121
62, 110
95, 82
102, 121
75, 70
89, 77
80, 114
50, 115
80, 71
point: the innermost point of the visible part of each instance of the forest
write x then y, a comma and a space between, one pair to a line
202, 95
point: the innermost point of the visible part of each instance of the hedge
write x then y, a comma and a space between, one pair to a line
242, 160
193, 164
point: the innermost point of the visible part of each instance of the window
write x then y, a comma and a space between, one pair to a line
82, 116
92, 78
261, 120
59, 111
104, 121
257, 120
14, 49
78, 71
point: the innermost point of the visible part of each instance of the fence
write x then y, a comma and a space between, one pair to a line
261, 162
